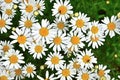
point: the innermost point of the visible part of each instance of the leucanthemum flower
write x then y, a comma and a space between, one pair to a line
22, 36
37, 49
58, 42
85, 75
80, 23
60, 25
18, 74
65, 73
75, 64
103, 72
13, 59
4, 75
47, 76
9, 11
27, 22
43, 32
76, 40
5, 23
62, 10
111, 26
29, 70
54, 61
27, 7
95, 41
95, 29
8, 2
5, 46
40, 4
86, 59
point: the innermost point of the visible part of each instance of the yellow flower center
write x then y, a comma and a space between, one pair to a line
8, 11
8, 1
94, 39
75, 40
21, 39
18, 72
28, 24
101, 73
29, 8
57, 40
86, 59
85, 76
6, 48
3, 77
13, 59
2, 23
44, 31
79, 23
65, 72
60, 25
29, 69
55, 60
111, 26
38, 49
76, 65
62, 9
94, 29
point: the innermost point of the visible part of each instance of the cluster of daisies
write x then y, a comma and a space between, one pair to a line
62, 44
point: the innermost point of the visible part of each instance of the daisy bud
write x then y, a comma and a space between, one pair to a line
42, 67
76, 14
103, 78
107, 2
118, 15
13, 29
36, 13
115, 55
15, 6
96, 66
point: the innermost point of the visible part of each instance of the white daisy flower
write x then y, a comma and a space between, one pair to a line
8, 2
18, 74
28, 7
29, 70
85, 75
103, 73
4, 75
13, 59
5, 23
5, 46
95, 29
54, 61
76, 40
59, 42
75, 64
40, 4
47, 76
27, 22
111, 26
86, 59
9, 11
95, 41
60, 25
65, 73
43, 32
80, 23
22, 36
37, 49
62, 10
